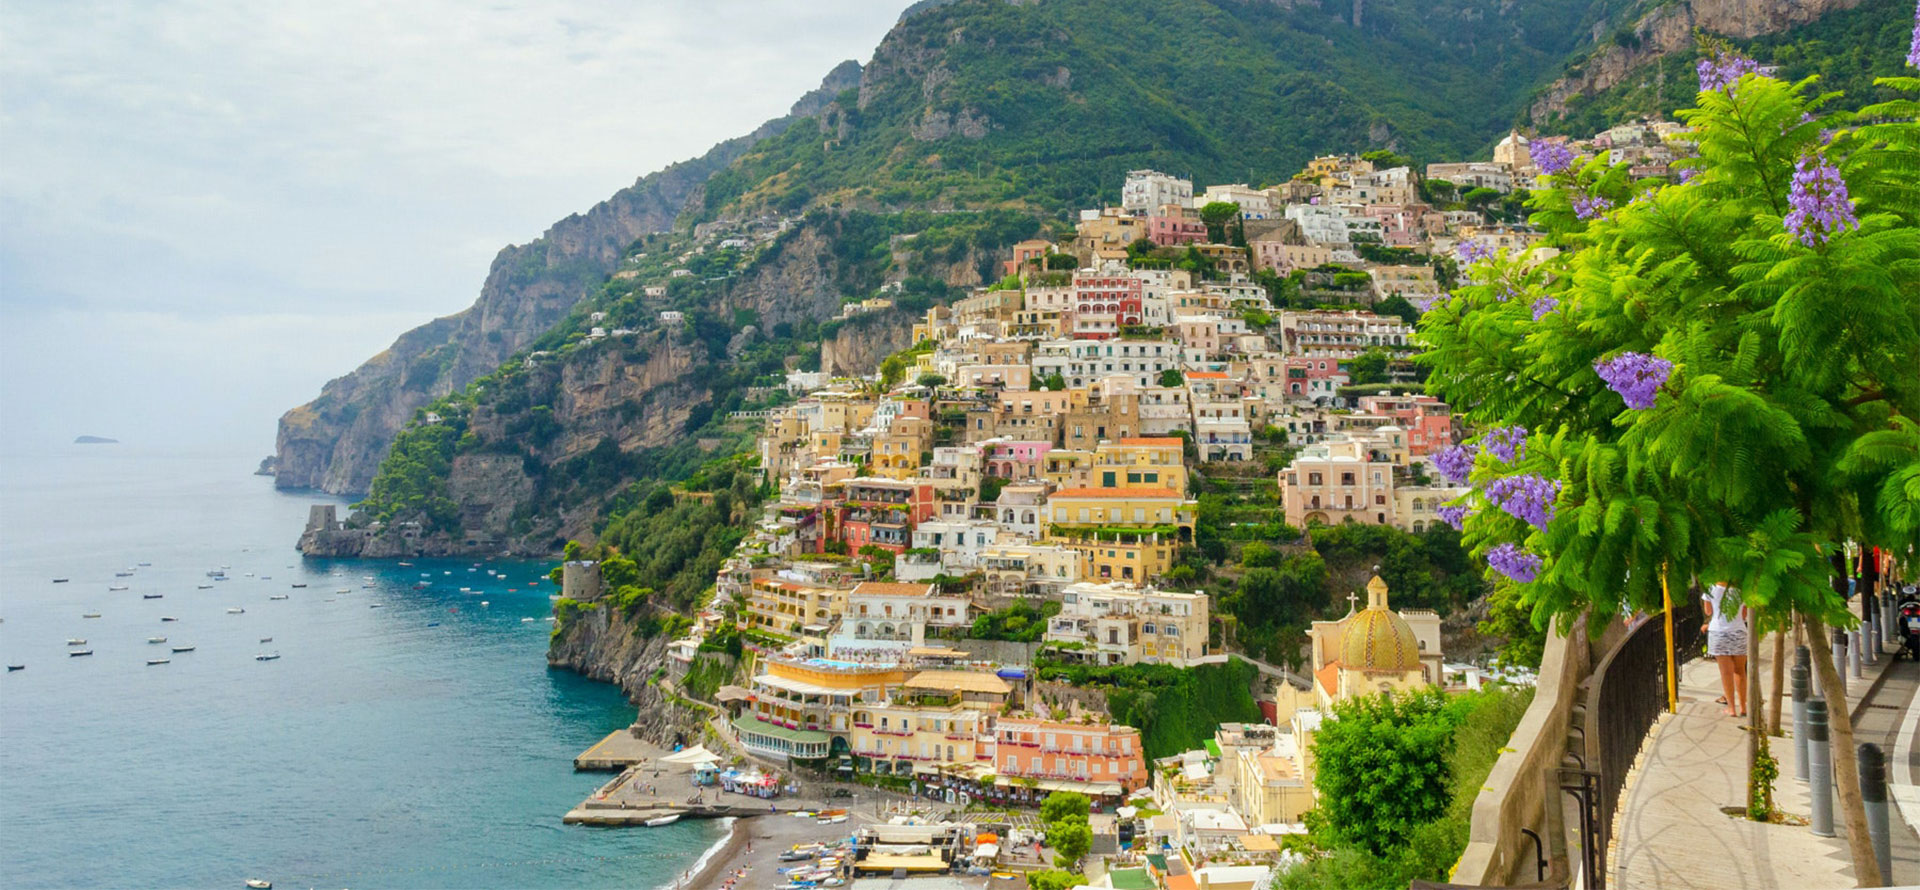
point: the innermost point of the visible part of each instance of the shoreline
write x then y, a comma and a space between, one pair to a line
718, 854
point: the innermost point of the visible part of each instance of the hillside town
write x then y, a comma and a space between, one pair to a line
1032, 457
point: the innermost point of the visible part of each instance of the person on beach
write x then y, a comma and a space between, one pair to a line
1726, 629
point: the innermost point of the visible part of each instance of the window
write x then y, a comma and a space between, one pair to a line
1313, 478
1346, 478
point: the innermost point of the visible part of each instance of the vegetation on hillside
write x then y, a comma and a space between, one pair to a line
1175, 709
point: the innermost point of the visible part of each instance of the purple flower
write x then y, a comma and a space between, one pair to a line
1688, 173
1913, 52
1636, 376
1454, 516
1528, 497
1723, 69
1505, 293
1820, 205
1508, 443
1423, 302
1590, 206
1455, 463
1513, 562
1471, 251
1543, 306
1553, 158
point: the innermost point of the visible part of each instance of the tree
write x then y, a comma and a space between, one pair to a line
1055, 382
1062, 804
1479, 198
1398, 305
1172, 377
1368, 367
1386, 159
1440, 191
1216, 214
1054, 879
1714, 381
1382, 768
931, 380
1070, 839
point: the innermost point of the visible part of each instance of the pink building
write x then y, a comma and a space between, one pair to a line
1175, 231
1427, 420
1331, 482
1020, 461
1313, 377
1102, 759
1103, 301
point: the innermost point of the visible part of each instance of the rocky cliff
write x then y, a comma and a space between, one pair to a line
1670, 28
335, 442
601, 643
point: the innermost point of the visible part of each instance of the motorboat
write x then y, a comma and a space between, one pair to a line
344, 590
143, 564
406, 565
203, 587
183, 648
266, 656
485, 602
235, 610
153, 661
259, 884
659, 821
278, 596
156, 640
90, 614
79, 652
123, 574
60, 580
526, 621
298, 584
266, 639
16, 667
433, 624
151, 596
168, 618
375, 605
112, 587
76, 641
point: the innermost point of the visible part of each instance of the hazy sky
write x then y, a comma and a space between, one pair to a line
208, 209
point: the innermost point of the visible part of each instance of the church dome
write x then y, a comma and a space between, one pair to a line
1376, 639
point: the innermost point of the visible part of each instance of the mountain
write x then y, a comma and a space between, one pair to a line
630, 333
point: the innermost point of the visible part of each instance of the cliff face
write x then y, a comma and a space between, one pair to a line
1669, 29
600, 644
335, 442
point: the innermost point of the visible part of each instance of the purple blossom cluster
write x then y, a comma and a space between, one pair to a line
1513, 562
1423, 302
1455, 463
1472, 250
1821, 208
1505, 293
1913, 52
1723, 69
1687, 174
1508, 443
1636, 376
1454, 516
1590, 206
1543, 306
1528, 497
1553, 158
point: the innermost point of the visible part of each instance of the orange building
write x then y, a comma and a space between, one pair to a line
1099, 759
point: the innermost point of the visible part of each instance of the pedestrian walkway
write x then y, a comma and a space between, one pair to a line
1672, 831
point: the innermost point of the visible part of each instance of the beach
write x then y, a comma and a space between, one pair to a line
755, 844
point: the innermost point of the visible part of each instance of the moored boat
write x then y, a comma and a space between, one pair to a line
156, 640
236, 610
153, 661
266, 656
278, 596
259, 884
151, 596
112, 587
16, 667
658, 821
297, 584
90, 614
76, 641
168, 618
183, 648
60, 580
79, 652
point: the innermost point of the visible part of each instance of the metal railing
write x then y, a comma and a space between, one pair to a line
1625, 696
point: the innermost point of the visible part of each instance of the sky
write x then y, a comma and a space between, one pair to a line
209, 209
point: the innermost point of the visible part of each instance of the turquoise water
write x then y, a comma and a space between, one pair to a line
378, 751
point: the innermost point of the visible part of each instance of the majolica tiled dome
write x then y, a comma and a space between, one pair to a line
1376, 639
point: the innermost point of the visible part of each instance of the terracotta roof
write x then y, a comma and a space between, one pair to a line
1206, 375
892, 588
1162, 441
1116, 493
1329, 677
965, 681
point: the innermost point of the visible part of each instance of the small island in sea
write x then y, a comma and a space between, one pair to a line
94, 440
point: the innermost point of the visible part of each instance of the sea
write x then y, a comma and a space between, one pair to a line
406, 736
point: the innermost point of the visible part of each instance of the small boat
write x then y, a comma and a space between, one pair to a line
168, 618
183, 648
658, 821
156, 640
375, 605
298, 584
266, 639
151, 596
433, 624
246, 574
111, 587
526, 621
16, 667
266, 656
236, 610
278, 596
406, 565
420, 585
466, 590
484, 602
90, 614
79, 652
143, 564
203, 587
76, 641
60, 580
259, 884
216, 573
123, 574
266, 577
153, 661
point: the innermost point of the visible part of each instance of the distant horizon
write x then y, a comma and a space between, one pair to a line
199, 231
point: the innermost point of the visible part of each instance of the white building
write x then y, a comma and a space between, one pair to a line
1146, 191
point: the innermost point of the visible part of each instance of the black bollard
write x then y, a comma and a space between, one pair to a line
1840, 661
1820, 768
1873, 790
1800, 694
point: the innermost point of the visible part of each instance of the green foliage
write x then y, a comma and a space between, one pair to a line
1064, 804
1054, 879
1022, 622
1056, 383
1368, 367
1070, 839
705, 676
1760, 781
1509, 619
412, 482
1769, 444
1172, 377
931, 380
1175, 709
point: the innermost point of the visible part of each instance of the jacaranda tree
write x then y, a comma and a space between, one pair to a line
1713, 379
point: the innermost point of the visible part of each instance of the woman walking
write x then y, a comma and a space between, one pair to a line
1726, 629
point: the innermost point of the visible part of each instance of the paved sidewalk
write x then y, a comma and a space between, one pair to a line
1672, 833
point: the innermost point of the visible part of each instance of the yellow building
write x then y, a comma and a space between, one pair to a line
1142, 462
1122, 533
896, 454
785, 607
1275, 783
1374, 650
806, 707
935, 720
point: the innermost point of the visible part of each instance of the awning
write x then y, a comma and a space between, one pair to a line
768, 730
886, 863
695, 755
